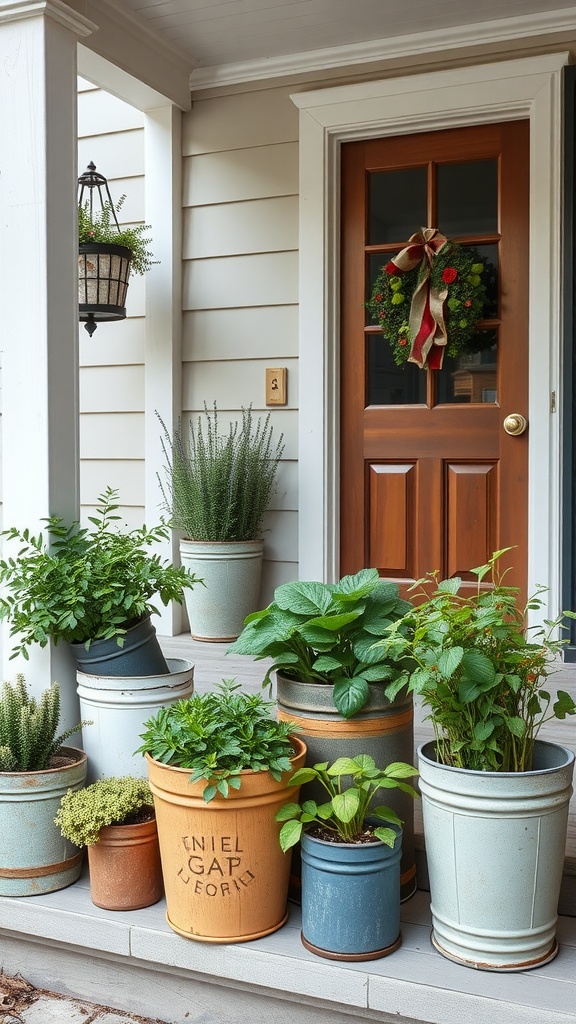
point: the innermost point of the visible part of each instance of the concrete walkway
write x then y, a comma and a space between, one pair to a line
21, 1003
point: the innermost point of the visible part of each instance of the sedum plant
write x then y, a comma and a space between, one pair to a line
478, 669
218, 735
102, 227
85, 584
217, 486
350, 784
28, 728
325, 633
116, 801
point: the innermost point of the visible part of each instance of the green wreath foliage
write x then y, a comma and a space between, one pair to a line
459, 270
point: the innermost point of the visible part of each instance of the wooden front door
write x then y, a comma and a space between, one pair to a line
430, 479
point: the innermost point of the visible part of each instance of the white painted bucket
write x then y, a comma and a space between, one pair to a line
231, 572
495, 844
119, 707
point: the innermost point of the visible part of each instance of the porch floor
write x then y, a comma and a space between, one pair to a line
135, 962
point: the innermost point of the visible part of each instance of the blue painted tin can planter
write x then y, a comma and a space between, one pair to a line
34, 856
350, 898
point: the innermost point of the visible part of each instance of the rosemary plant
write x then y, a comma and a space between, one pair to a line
28, 727
218, 486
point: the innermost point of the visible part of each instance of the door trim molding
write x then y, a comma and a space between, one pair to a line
527, 88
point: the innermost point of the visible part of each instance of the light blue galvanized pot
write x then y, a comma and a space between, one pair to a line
34, 857
231, 573
350, 898
495, 845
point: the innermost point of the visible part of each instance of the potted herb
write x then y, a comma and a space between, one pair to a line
107, 253
36, 769
494, 797
219, 768
332, 680
216, 488
92, 588
114, 818
350, 857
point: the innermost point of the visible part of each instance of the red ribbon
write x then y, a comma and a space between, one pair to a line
426, 321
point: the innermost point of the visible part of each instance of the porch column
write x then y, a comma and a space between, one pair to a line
163, 372
38, 289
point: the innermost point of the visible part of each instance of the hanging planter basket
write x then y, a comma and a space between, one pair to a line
103, 273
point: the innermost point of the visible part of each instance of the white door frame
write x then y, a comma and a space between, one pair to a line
510, 90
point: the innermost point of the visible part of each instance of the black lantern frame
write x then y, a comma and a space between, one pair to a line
103, 267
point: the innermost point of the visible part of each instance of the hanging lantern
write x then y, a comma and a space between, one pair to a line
103, 266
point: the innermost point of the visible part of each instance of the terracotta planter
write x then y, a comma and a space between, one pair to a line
225, 876
125, 871
384, 729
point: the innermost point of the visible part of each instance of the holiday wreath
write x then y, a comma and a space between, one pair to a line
429, 298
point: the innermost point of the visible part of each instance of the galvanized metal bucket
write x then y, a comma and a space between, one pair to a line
34, 856
231, 573
118, 708
495, 845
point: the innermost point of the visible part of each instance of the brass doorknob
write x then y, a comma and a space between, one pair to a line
515, 424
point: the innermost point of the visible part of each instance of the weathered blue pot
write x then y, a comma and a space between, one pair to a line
350, 898
139, 655
34, 856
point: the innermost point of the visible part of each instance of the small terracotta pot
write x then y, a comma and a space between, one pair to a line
125, 871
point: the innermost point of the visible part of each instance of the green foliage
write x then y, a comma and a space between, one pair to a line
470, 659
218, 486
325, 633
101, 227
218, 735
28, 727
350, 782
82, 813
86, 584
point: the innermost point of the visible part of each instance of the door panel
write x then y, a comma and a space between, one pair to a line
430, 480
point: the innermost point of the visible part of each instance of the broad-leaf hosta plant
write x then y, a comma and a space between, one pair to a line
326, 633
218, 735
350, 784
28, 727
81, 584
479, 670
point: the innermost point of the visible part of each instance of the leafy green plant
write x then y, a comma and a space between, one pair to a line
85, 584
28, 739
325, 633
218, 735
218, 486
102, 227
350, 783
472, 661
117, 801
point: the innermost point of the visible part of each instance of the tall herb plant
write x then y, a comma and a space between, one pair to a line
217, 486
478, 669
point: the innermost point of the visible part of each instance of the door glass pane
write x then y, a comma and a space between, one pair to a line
388, 384
398, 205
468, 198
470, 378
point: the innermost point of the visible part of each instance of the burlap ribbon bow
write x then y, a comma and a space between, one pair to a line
426, 321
